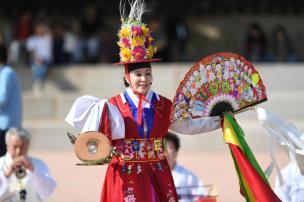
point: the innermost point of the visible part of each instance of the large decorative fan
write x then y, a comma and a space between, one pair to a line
218, 83
227, 82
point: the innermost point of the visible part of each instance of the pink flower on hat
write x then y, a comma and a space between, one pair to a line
124, 42
137, 31
138, 53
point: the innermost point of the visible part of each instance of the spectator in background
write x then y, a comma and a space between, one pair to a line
282, 48
23, 174
188, 185
177, 39
256, 43
70, 43
40, 47
59, 56
10, 99
90, 35
158, 32
21, 31
108, 53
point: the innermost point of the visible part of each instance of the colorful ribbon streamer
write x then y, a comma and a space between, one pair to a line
253, 183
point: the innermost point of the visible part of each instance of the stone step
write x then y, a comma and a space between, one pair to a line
283, 103
283, 82
105, 80
44, 116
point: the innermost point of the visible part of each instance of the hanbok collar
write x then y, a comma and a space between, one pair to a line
135, 99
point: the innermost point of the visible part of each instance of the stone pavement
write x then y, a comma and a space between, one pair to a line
83, 183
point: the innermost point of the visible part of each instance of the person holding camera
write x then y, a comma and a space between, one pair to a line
22, 177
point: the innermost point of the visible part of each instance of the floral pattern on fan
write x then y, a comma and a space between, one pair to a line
218, 83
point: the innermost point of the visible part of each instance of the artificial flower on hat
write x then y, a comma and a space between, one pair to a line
135, 40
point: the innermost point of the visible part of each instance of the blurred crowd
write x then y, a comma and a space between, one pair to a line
62, 43
91, 38
278, 47
87, 40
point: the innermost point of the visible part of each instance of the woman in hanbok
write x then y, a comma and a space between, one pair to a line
135, 121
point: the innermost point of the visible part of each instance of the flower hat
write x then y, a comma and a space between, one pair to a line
135, 40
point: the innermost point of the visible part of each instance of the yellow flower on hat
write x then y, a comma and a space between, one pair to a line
137, 41
125, 54
150, 52
124, 32
145, 30
150, 39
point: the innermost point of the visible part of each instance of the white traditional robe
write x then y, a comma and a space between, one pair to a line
38, 184
293, 188
187, 184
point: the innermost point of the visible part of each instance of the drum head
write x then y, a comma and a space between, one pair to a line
92, 147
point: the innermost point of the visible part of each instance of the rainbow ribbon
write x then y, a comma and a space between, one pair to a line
253, 182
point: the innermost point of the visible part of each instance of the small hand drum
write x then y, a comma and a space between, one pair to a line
92, 148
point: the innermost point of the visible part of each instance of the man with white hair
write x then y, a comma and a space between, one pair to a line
23, 178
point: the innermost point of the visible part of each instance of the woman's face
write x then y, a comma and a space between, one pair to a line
140, 80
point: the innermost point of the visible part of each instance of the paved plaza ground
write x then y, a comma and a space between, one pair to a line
206, 155
83, 183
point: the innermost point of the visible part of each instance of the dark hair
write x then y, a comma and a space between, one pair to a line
134, 66
125, 82
174, 139
3, 54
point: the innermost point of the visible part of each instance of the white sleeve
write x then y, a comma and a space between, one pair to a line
281, 191
4, 186
86, 113
195, 126
117, 123
43, 182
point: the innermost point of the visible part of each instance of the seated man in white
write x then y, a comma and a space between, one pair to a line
188, 185
22, 176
